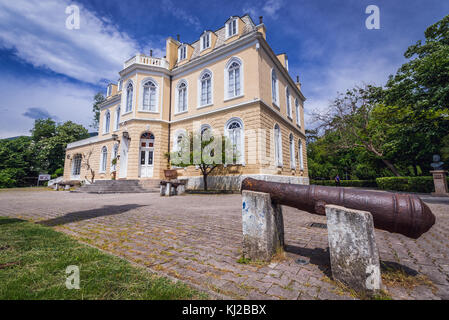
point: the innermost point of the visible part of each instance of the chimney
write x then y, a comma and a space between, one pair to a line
260, 19
298, 84
178, 37
151, 53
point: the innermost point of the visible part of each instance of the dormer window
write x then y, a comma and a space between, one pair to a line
108, 91
182, 53
205, 40
231, 28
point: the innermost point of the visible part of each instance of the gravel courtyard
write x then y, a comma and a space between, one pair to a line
197, 239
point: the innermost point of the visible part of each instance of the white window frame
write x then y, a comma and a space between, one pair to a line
119, 85
241, 159
107, 122
228, 24
288, 104
117, 118
103, 160
126, 98
180, 82
275, 95
298, 118
199, 95
108, 90
205, 37
226, 79
301, 158
141, 95
278, 146
72, 175
114, 154
292, 151
182, 52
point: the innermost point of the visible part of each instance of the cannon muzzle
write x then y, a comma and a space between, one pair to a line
394, 212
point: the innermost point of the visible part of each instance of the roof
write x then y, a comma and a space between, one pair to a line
248, 27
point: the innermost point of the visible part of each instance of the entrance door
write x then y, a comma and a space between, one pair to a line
146, 155
124, 158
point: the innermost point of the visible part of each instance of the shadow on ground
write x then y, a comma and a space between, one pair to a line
316, 256
10, 220
89, 214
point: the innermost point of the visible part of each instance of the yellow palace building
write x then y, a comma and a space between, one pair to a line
230, 81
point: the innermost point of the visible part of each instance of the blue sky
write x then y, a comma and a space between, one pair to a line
48, 70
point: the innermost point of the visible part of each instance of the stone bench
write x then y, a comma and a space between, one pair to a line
66, 185
172, 187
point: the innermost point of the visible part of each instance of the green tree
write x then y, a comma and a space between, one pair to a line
17, 162
350, 118
98, 99
212, 152
49, 150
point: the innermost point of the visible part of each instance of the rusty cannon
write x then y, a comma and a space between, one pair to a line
394, 212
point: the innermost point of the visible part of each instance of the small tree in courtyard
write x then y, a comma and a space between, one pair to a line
206, 150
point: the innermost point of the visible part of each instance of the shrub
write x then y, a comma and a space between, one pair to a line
408, 184
346, 183
393, 183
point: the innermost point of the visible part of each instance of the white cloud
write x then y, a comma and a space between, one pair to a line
38, 33
271, 7
63, 100
169, 7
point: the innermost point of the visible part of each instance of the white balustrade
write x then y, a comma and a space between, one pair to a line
147, 61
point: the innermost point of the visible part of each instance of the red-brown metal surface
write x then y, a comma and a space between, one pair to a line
400, 213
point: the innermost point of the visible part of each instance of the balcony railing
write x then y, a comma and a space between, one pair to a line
147, 61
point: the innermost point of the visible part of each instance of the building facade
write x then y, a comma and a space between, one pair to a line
230, 81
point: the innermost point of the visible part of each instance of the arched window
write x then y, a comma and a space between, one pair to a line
287, 98
129, 97
278, 145
107, 121
182, 96
301, 159
292, 152
204, 128
206, 88
76, 166
147, 135
234, 132
117, 118
274, 86
104, 159
234, 79
298, 118
114, 156
149, 96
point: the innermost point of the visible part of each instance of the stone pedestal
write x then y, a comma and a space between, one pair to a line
181, 189
263, 226
353, 250
440, 182
168, 191
162, 190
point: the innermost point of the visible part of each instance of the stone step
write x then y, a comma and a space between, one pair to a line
121, 186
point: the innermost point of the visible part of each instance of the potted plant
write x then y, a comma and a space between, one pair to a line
169, 173
114, 163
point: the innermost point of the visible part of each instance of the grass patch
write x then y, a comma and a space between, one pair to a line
33, 260
395, 275
342, 289
244, 260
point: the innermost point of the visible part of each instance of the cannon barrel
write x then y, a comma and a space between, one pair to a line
394, 212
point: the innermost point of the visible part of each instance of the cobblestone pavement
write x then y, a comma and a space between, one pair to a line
197, 238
